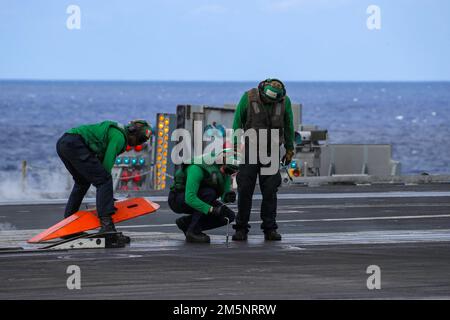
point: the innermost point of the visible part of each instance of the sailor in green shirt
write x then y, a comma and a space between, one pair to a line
263, 108
197, 187
89, 152
241, 114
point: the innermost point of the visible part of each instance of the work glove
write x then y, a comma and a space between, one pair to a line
287, 158
229, 197
222, 211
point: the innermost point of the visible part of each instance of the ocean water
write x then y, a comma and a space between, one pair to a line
413, 117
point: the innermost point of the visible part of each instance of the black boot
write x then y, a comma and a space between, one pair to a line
240, 235
272, 235
197, 237
182, 224
107, 225
124, 238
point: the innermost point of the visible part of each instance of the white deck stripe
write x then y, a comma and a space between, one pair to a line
291, 241
281, 196
295, 241
368, 237
356, 195
308, 220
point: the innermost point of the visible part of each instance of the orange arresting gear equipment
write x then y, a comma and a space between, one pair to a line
87, 220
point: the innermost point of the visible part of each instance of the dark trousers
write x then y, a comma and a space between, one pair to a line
86, 169
246, 181
196, 220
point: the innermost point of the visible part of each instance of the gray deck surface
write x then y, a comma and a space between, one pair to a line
330, 236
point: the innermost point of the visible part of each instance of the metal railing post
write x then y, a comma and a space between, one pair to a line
24, 175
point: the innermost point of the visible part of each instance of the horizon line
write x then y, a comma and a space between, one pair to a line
216, 81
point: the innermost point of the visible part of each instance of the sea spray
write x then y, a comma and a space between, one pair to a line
38, 184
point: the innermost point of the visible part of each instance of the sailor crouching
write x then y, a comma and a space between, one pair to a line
196, 192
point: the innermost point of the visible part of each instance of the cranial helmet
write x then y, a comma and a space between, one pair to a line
272, 90
140, 129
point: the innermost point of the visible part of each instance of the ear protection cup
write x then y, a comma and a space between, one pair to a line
261, 85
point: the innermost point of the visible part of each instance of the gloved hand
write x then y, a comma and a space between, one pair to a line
229, 197
287, 158
222, 211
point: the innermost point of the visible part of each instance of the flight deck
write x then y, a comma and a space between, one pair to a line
331, 235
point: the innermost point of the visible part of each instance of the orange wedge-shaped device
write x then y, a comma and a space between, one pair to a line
88, 220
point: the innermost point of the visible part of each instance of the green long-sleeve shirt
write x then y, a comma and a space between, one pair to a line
116, 143
104, 139
194, 177
240, 118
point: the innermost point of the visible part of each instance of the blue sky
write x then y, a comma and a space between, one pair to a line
305, 40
